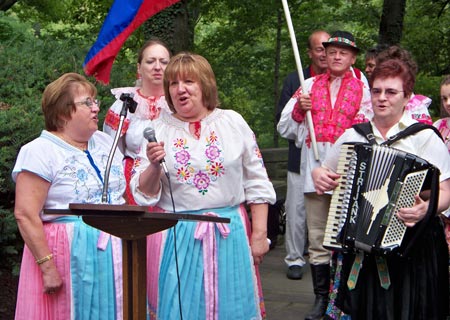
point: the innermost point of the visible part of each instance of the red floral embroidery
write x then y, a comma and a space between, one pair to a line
330, 123
297, 113
112, 119
153, 111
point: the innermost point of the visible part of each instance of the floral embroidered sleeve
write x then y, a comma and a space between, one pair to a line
365, 112
111, 124
112, 117
417, 107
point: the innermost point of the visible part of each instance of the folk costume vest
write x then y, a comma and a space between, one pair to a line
330, 122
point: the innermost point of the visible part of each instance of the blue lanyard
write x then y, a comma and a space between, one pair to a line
97, 170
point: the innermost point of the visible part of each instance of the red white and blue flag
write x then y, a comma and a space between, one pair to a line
123, 18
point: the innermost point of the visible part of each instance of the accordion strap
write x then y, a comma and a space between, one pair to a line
365, 129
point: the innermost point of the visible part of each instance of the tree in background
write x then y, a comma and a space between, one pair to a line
175, 25
391, 24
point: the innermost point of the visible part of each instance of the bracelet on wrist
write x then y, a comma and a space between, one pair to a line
44, 259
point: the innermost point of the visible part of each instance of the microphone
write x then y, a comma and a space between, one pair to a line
149, 134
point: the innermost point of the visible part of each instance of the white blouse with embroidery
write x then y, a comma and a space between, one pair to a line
73, 177
224, 167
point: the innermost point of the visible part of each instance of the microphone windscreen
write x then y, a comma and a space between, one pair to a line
149, 134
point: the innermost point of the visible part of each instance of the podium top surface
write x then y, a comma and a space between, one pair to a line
125, 210
127, 221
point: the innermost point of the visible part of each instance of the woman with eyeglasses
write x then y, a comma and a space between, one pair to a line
69, 270
148, 93
393, 286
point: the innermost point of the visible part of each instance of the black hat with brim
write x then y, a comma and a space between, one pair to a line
342, 39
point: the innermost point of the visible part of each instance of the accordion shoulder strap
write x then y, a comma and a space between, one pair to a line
412, 129
365, 129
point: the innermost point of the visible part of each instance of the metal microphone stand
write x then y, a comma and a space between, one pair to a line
128, 104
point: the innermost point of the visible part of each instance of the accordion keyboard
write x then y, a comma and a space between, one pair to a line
341, 198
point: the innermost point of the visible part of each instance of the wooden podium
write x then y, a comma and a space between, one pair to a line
132, 224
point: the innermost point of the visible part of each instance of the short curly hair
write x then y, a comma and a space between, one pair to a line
58, 99
395, 68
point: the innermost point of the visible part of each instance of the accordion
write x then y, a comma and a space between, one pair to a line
376, 182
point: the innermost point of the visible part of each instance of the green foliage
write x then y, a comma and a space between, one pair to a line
427, 37
29, 64
11, 28
10, 245
429, 86
70, 11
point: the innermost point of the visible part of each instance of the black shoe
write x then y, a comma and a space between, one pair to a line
320, 275
295, 272
319, 309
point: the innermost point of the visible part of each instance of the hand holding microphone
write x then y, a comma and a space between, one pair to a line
149, 134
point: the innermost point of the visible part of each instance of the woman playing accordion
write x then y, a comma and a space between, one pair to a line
377, 284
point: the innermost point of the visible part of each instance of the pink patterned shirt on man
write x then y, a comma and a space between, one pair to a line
336, 106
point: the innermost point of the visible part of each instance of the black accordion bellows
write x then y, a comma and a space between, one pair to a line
376, 181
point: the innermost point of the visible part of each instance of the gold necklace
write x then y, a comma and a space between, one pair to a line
81, 146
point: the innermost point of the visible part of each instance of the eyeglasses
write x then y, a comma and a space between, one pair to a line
89, 103
388, 93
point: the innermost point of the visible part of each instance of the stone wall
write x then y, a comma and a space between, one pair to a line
275, 160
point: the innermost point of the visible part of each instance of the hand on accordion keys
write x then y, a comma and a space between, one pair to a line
410, 216
324, 180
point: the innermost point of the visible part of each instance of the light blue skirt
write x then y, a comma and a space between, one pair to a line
233, 296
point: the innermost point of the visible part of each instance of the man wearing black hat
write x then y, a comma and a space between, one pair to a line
295, 236
336, 99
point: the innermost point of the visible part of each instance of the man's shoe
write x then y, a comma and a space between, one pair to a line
295, 272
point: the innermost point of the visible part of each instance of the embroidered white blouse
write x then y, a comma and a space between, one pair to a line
223, 168
73, 177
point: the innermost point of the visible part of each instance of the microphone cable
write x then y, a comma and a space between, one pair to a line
149, 134
175, 249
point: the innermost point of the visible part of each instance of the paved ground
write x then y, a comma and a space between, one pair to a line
285, 299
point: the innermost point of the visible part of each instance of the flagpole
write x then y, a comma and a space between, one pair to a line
301, 77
